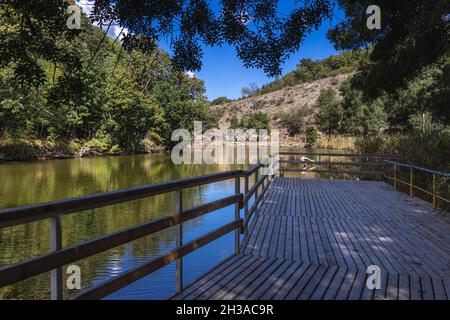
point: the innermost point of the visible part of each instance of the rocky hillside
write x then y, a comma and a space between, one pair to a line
288, 99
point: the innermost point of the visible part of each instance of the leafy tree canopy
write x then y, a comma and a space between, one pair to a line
415, 31
414, 34
262, 36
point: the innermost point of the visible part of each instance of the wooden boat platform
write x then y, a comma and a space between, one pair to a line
315, 239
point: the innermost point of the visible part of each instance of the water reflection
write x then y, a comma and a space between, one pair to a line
28, 183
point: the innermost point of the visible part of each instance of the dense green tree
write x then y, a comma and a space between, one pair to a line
113, 97
413, 35
361, 117
34, 30
129, 113
330, 113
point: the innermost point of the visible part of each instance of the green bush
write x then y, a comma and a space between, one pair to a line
75, 146
100, 144
294, 122
258, 121
220, 100
427, 149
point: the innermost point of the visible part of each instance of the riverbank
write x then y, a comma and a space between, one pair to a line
22, 150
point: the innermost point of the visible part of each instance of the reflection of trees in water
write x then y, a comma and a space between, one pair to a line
45, 181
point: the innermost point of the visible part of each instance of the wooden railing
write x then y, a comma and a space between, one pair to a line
362, 160
434, 193
60, 256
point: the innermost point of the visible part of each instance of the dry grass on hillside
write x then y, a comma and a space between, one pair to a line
287, 100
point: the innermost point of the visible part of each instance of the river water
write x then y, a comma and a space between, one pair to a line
36, 182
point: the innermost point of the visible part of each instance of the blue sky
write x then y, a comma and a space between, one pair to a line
225, 75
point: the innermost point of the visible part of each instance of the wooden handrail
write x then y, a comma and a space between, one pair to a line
253, 169
376, 173
114, 284
434, 193
333, 163
255, 205
406, 165
287, 153
32, 267
253, 189
419, 188
59, 257
25, 214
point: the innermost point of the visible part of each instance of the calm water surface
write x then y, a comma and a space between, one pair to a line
35, 182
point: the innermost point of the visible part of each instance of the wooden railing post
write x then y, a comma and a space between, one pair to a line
246, 202
256, 181
179, 267
395, 176
411, 181
263, 184
56, 286
434, 191
237, 216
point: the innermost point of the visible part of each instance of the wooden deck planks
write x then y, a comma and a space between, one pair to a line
314, 239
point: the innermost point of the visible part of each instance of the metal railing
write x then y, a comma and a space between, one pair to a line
363, 160
60, 256
435, 196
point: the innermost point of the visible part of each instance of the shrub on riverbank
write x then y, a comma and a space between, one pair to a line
429, 149
335, 142
29, 150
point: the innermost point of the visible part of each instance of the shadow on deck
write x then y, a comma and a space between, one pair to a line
314, 239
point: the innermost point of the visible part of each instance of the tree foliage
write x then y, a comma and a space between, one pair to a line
329, 117
220, 100
112, 96
294, 121
262, 36
407, 68
258, 121
414, 35
309, 70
